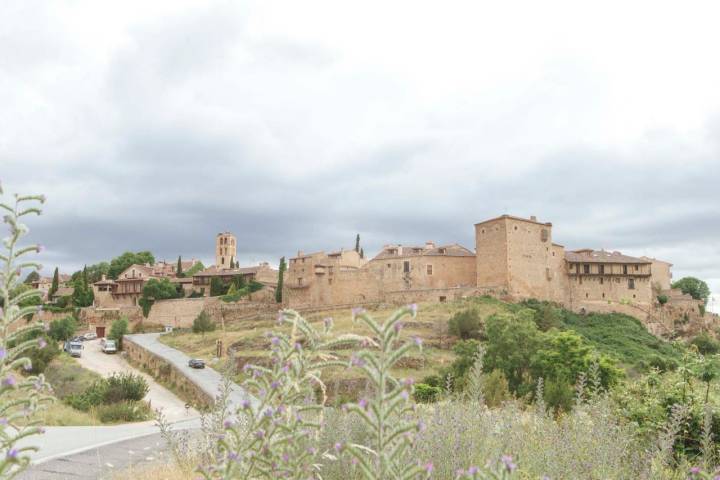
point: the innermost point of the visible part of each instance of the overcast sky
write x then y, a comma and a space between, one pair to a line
297, 124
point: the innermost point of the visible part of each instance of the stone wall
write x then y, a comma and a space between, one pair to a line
181, 312
165, 373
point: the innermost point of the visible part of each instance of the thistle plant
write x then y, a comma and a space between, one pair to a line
474, 387
504, 469
388, 413
20, 397
275, 432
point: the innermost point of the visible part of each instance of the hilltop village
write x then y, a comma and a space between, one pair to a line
514, 259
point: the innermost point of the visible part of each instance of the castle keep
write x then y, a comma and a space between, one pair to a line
514, 258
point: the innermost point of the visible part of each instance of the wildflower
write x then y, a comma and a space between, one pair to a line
421, 426
357, 311
413, 308
694, 470
428, 467
228, 423
275, 341
404, 394
245, 404
12, 454
3, 352
3, 421
328, 321
418, 341
356, 361
507, 461
338, 447
362, 403
260, 434
40, 248
232, 456
474, 471
275, 384
298, 347
42, 343
9, 381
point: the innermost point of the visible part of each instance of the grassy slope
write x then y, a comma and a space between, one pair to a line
620, 336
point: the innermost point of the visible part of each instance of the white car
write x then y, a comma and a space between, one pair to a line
109, 346
90, 336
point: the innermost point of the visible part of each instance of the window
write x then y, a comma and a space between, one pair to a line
601, 269
586, 268
637, 267
443, 298
603, 295
544, 235
587, 295
429, 269
389, 265
624, 269
602, 280
406, 266
631, 283
299, 280
442, 251
515, 227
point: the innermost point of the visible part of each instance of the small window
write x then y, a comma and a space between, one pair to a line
624, 269
601, 269
429, 270
482, 231
631, 284
299, 280
406, 266
389, 265
586, 268
637, 267
587, 295
603, 295
544, 235
602, 280
443, 298
442, 251
515, 227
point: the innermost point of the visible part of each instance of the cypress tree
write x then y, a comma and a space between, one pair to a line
362, 253
55, 283
357, 243
281, 274
179, 271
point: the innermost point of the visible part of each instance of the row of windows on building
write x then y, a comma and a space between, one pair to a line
630, 281
585, 268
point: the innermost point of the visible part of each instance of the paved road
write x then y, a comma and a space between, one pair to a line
83, 452
158, 396
207, 379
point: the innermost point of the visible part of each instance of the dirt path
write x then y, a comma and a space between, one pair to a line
159, 397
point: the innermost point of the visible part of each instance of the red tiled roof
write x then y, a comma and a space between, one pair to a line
453, 250
588, 255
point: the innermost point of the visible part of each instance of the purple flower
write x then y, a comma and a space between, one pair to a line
694, 470
245, 404
228, 423
3, 352
421, 426
362, 403
507, 461
275, 341
413, 308
473, 470
12, 454
404, 394
232, 456
3, 421
357, 311
418, 341
338, 447
285, 457
42, 343
9, 381
40, 248
428, 467
260, 434
298, 347
356, 361
398, 326
275, 384
27, 367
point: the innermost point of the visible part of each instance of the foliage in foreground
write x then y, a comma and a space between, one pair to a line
20, 397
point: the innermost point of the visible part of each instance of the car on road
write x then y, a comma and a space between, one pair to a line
73, 348
196, 363
109, 346
79, 338
90, 336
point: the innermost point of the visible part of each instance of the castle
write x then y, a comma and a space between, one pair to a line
514, 258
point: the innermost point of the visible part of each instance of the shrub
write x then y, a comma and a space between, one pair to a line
425, 393
465, 324
495, 388
217, 288
62, 329
127, 411
203, 323
662, 299
118, 329
125, 386
43, 354
195, 294
706, 344
559, 395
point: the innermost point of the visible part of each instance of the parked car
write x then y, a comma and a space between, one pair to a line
73, 348
90, 336
196, 363
109, 346
79, 338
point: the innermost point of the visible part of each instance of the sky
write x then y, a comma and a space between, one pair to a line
297, 125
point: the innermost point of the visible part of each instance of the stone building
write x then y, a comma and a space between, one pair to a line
514, 258
262, 273
225, 250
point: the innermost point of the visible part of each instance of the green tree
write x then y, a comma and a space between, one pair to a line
203, 323
93, 272
179, 270
281, 280
157, 289
118, 330
62, 329
362, 253
465, 324
119, 264
197, 267
705, 344
217, 287
33, 276
82, 292
512, 341
495, 388
694, 287
239, 282
357, 243
55, 283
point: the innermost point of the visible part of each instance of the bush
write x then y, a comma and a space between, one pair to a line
465, 324
125, 386
705, 344
118, 329
217, 288
41, 357
559, 395
127, 411
63, 329
662, 299
425, 393
203, 323
495, 388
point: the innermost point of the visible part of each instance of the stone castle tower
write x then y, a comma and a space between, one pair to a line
225, 250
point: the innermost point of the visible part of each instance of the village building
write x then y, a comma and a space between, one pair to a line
262, 273
44, 284
514, 258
